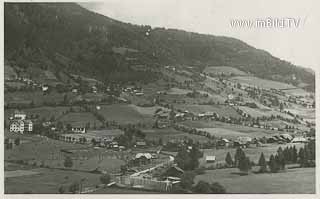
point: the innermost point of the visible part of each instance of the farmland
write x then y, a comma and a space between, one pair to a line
221, 110
217, 70
262, 83
292, 181
125, 114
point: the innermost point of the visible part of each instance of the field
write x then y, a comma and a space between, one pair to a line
256, 112
227, 70
245, 130
47, 152
292, 181
225, 111
178, 91
262, 83
47, 181
37, 97
80, 119
124, 114
171, 134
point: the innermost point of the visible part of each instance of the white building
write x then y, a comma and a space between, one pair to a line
21, 126
19, 115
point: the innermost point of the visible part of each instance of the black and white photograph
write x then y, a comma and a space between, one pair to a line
160, 97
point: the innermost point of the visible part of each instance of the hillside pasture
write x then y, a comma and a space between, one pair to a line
262, 83
292, 181
124, 114
225, 111
226, 70
244, 130
80, 119
48, 181
170, 134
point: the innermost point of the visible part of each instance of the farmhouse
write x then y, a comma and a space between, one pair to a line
242, 141
78, 130
210, 159
101, 136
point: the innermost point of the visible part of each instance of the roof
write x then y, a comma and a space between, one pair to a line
105, 132
243, 139
141, 143
210, 158
286, 136
146, 155
299, 139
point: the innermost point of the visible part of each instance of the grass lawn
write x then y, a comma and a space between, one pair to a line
292, 181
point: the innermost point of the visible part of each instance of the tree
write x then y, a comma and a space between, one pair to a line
205, 187
105, 179
262, 163
183, 159
239, 155
74, 187
68, 162
281, 159
228, 159
17, 141
274, 168
294, 154
202, 187
217, 188
187, 179
244, 164
61, 189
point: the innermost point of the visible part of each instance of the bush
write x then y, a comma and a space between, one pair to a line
105, 179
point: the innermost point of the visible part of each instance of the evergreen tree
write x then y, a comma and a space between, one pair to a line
244, 164
228, 159
262, 163
294, 154
280, 158
273, 164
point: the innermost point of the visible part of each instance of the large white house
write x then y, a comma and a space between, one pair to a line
21, 126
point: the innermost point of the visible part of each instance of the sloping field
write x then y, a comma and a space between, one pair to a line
48, 181
262, 83
227, 70
293, 181
257, 112
225, 111
124, 114
80, 119
244, 130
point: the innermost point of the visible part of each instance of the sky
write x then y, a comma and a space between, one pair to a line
298, 44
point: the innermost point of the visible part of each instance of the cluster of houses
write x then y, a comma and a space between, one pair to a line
134, 90
102, 138
19, 123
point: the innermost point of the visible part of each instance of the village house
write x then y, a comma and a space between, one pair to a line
78, 130
210, 159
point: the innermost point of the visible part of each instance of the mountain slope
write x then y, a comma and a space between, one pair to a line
65, 36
